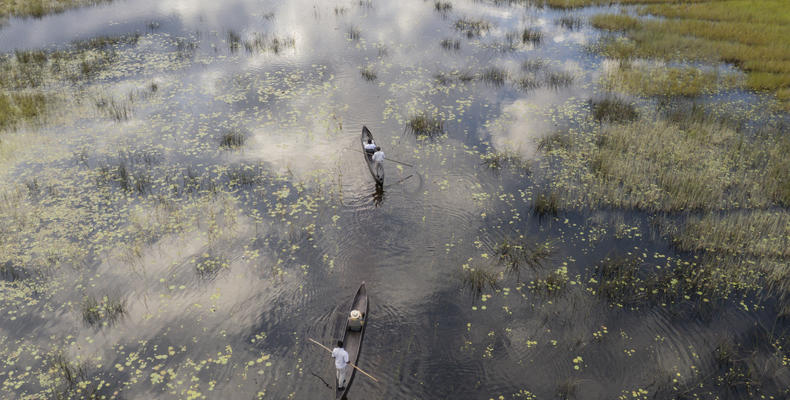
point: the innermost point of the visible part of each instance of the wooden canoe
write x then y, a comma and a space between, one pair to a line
376, 169
352, 341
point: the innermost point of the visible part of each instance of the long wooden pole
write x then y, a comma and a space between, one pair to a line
357, 368
386, 158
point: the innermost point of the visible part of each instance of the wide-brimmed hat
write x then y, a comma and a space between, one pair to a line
356, 314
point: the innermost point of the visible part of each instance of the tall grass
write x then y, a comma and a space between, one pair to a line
753, 37
40, 8
613, 109
472, 27
16, 108
476, 280
423, 125
104, 312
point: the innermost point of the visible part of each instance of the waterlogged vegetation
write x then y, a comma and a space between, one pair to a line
181, 206
40, 8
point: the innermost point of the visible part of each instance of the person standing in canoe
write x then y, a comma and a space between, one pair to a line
378, 156
341, 363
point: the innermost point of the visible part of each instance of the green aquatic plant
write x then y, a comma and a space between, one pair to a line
450, 44
105, 311
531, 36
232, 139
613, 109
518, 254
571, 22
368, 73
40, 8
546, 204
423, 125
443, 6
207, 266
499, 159
476, 280
16, 108
354, 33
494, 76
472, 27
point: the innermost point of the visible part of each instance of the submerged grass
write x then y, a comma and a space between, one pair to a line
232, 139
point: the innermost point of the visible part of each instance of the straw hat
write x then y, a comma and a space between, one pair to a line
355, 314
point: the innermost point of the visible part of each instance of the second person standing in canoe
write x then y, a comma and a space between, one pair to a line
378, 156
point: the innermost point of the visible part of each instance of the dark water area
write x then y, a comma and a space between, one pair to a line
297, 221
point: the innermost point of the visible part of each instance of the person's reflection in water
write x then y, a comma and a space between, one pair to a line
378, 195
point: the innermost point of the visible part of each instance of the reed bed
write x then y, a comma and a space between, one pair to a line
40, 8
423, 125
753, 38
472, 27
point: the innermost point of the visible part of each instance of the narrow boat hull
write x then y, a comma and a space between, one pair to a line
352, 341
376, 169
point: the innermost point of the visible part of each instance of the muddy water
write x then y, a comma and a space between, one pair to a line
309, 225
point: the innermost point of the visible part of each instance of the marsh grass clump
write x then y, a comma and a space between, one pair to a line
9, 272
499, 159
546, 204
262, 43
666, 81
450, 44
554, 141
233, 40
354, 33
477, 280
368, 73
551, 282
531, 36
518, 254
232, 139
613, 109
16, 108
528, 83
534, 65
472, 27
208, 266
245, 175
72, 373
443, 6
118, 110
425, 126
106, 311
107, 42
494, 76
559, 79
571, 22
40, 8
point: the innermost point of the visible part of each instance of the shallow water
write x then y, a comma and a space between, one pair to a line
296, 240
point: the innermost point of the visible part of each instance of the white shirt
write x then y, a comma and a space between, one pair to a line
378, 156
370, 146
341, 357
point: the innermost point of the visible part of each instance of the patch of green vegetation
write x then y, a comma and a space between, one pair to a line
40, 8
423, 125
494, 76
472, 27
754, 37
546, 204
261, 43
16, 108
208, 266
477, 279
499, 159
443, 6
667, 81
516, 254
106, 311
571, 22
232, 139
613, 109
368, 73
450, 44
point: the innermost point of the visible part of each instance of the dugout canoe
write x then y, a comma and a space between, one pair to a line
376, 169
352, 341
